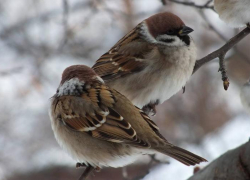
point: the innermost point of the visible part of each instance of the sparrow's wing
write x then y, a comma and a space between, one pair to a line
125, 57
93, 113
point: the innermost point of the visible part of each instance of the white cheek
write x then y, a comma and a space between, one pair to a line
146, 33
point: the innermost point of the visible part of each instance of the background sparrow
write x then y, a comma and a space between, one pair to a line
235, 13
100, 127
245, 96
152, 62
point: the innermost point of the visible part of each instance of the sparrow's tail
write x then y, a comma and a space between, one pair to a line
182, 155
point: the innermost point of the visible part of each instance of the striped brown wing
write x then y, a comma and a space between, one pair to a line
125, 57
103, 122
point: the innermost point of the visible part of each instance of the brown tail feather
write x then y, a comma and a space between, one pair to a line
182, 155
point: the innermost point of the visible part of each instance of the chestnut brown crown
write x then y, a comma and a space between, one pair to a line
82, 72
163, 22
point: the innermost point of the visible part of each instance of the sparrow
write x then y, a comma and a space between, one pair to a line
236, 13
151, 63
245, 96
100, 127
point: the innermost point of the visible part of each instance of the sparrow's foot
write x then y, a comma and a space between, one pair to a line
78, 165
150, 109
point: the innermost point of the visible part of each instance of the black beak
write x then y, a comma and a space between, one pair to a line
185, 31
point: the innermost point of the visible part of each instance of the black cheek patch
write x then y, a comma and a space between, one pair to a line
167, 40
185, 39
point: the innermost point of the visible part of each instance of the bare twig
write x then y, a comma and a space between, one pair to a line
192, 4
80, 6
223, 71
211, 26
220, 53
86, 173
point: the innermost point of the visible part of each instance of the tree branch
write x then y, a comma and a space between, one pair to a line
192, 4
220, 53
223, 50
86, 173
80, 6
234, 164
220, 35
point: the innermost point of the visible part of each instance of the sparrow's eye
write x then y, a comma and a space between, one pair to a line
170, 32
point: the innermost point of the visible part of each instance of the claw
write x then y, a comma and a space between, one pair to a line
78, 165
150, 109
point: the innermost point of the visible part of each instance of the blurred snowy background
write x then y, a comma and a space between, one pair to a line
40, 38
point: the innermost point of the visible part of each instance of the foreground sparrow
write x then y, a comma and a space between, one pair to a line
100, 127
245, 96
152, 62
235, 13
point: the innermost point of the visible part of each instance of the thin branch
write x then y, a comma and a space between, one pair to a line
223, 71
220, 53
192, 4
223, 49
86, 173
80, 6
211, 26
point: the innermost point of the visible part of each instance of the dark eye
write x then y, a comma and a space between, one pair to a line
170, 32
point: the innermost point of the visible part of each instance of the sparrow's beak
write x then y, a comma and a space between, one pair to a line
185, 31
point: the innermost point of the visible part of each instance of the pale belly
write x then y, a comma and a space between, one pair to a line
142, 89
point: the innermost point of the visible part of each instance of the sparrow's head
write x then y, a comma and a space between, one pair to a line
81, 72
76, 78
165, 29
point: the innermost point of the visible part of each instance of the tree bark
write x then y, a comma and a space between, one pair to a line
233, 165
